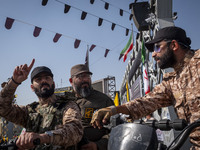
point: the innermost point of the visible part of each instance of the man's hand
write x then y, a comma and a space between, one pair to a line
102, 116
25, 140
21, 72
89, 146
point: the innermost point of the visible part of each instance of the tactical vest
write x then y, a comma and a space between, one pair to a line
43, 119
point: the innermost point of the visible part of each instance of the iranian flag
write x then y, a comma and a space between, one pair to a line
146, 79
127, 48
145, 74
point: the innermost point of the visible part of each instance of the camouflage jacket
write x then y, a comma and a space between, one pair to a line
63, 118
180, 88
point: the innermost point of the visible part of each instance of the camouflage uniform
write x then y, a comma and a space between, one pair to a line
88, 105
180, 88
62, 117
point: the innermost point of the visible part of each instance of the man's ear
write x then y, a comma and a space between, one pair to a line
175, 45
70, 80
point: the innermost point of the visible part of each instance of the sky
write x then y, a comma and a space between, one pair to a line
18, 45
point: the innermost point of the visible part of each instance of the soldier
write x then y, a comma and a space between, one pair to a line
89, 100
181, 88
54, 120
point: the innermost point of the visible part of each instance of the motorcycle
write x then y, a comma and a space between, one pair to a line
141, 135
138, 135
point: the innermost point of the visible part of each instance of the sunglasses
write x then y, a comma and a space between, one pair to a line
157, 48
82, 76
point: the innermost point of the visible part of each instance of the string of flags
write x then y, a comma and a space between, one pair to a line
106, 6
37, 30
100, 19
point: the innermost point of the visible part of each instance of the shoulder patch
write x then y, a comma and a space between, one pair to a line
197, 54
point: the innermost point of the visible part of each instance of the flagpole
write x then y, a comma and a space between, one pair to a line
132, 32
87, 57
128, 94
127, 82
88, 54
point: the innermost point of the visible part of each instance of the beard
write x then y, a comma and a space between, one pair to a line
45, 92
83, 91
167, 60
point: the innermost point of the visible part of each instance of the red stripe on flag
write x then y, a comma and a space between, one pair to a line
130, 48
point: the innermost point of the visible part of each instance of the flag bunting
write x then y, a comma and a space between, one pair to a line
37, 30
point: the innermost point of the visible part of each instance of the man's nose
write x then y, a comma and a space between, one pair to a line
154, 54
85, 79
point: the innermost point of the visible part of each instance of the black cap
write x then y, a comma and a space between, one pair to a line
36, 71
78, 69
169, 33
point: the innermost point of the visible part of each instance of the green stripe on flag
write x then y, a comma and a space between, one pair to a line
143, 52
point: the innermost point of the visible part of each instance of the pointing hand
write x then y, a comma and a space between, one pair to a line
21, 72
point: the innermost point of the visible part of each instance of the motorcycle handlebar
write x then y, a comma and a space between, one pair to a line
166, 124
12, 144
178, 124
182, 137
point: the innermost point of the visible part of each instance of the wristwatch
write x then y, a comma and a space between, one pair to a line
49, 133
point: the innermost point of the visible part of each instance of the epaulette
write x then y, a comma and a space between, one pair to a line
169, 75
69, 96
197, 54
33, 105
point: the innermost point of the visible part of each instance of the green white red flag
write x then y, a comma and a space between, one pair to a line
146, 79
145, 74
127, 48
